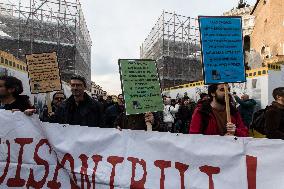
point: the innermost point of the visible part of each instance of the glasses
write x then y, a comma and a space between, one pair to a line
223, 89
59, 98
76, 85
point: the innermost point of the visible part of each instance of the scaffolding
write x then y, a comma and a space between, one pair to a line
174, 43
36, 26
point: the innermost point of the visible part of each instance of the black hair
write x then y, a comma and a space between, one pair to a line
212, 89
202, 95
58, 92
80, 78
278, 92
13, 83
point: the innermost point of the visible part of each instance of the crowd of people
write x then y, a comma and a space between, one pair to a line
206, 116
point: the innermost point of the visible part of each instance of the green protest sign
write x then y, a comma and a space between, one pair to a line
140, 86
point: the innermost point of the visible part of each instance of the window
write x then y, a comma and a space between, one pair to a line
264, 72
254, 82
10, 63
14, 65
2, 60
21, 67
247, 43
6, 61
18, 66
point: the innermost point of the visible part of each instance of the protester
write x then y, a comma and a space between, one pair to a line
112, 112
274, 116
79, 108
185, 96
184, 114
57, 99
95, 97
210, 118
169, 113
10, 98
246, 108
109, 102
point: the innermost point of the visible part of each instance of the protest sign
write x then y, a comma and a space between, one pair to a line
47, 155
222, 49
140, 86
43, 73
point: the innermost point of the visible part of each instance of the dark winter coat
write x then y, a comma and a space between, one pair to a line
274, 121
246, 109
111, 114
87, 113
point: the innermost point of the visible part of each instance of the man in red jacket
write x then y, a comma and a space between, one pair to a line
210, 118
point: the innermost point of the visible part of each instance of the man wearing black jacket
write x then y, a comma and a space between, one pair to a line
79, 108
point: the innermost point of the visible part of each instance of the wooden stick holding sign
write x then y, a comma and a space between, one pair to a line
48, 103
228, 109
227, 99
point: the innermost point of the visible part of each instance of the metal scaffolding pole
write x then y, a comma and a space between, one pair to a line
174, 43
48, 25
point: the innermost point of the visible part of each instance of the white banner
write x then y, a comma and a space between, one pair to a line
44, 155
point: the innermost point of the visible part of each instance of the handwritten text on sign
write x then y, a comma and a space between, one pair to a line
222, 49
141, 86
43, 72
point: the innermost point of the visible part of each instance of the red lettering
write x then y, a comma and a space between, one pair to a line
162, 165
18, 181
2, 178
181, 168
251, 171
208, 170
84, 173
96, 159
137, 184
114, 160
31, 181
56, 185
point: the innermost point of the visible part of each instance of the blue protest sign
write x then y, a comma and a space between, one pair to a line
222, 49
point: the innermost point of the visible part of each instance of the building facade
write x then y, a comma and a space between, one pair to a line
267, 37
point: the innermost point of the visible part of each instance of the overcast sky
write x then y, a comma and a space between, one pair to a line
119, 27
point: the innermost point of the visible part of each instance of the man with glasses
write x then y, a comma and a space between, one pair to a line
79, 108
210, 117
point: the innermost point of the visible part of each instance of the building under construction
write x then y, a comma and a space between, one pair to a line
174, 43
37, 26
